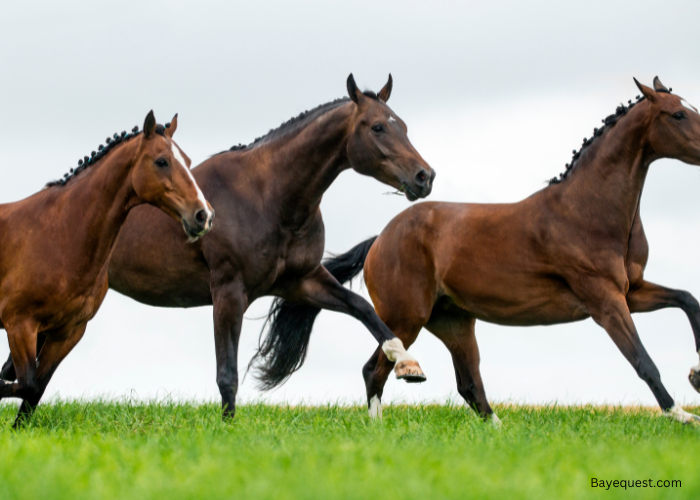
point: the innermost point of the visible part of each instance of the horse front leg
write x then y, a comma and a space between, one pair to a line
230, 302
321, 289
8, 372
651, 297
22, 338
53, 351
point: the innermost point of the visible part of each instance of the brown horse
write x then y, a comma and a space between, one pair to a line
573, 250
55, 246
269, 237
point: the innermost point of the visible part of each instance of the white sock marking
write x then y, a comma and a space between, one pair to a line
495, 421
395, 351
679, 414
375, 408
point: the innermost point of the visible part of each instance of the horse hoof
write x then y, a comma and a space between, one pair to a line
694, 379
409, 371
680, 415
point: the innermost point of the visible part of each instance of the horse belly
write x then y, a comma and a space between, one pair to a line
517, 302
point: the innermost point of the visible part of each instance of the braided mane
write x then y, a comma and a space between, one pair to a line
102, 150
299, 121
608, 122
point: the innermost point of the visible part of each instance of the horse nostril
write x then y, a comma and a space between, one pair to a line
421, 177
201, 216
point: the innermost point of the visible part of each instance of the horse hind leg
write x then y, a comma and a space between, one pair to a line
651, 297
456, 331
405, 306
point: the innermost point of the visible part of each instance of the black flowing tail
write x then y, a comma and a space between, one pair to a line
284, 349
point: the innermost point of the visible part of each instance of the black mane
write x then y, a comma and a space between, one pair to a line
102, 150
300, 121
608, 122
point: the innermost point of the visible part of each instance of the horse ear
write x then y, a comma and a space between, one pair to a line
658, 86
353, 91
149, 125
170, 130
386, 91
648, 92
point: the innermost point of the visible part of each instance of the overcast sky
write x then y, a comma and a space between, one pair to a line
495, 96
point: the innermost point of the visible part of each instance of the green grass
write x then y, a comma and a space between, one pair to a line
77, 450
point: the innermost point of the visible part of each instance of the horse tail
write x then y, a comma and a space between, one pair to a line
284, 349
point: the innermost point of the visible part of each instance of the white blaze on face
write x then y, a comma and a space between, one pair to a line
689, 106
391, 119
179, 158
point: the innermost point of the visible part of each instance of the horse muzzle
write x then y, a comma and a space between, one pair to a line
199, 225
420, 186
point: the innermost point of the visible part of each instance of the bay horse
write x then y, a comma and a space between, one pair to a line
55, 246
573, 250
269, 236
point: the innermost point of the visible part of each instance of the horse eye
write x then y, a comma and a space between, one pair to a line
378, 128
161, 162
679, 116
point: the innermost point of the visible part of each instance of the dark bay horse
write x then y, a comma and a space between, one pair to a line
269, 237
573, 250
56, 244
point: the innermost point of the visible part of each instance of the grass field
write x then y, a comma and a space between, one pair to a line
172, 451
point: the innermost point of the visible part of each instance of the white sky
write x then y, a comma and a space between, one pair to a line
495, 95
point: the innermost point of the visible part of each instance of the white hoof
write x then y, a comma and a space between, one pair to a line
375, 408
680, 415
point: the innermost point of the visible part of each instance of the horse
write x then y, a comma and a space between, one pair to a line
56, 245
573, 250
269, 236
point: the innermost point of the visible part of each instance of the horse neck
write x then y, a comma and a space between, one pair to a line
97, 202
302, 165
607, 184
